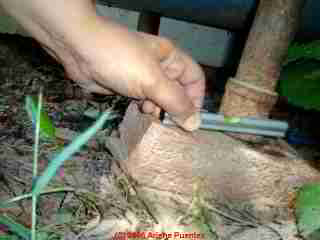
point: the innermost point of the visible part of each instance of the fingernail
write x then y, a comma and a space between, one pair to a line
191, 123
198, 103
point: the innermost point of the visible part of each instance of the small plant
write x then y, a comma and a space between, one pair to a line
44, 126
300, 84
300, 77
308, 211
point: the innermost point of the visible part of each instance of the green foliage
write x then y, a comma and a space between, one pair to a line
303, 51
300, 76
15, 227
308, 211
67, 152
46, 126
8, 237
200, 213
19, 198
300, 84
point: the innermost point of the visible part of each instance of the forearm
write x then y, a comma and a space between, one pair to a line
104, 57
42, 18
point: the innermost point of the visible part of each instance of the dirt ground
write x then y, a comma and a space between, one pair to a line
79, 205
24, 68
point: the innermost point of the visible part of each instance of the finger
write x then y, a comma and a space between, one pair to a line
161, 47
148, 107
173, 66
156, 112
188, 73
195, 92
179, 66
95, 88
171, 97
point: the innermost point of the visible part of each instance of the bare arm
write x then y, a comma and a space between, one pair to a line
104, 57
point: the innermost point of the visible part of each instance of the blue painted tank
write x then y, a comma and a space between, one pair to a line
226, 14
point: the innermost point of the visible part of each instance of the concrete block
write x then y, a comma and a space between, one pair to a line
171, 160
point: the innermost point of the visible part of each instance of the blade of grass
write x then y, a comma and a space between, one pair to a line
68, 151
35, 167
15, 227
9, 202
47, 128
8, 237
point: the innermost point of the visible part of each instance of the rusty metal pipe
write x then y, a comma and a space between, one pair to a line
252, 91
149, 23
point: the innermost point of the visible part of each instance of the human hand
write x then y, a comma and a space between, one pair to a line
104, 57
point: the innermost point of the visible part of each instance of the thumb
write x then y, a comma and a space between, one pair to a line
165, 91
171, 97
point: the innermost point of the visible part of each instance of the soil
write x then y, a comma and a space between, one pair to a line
24, 69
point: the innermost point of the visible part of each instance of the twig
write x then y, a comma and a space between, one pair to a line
254, 224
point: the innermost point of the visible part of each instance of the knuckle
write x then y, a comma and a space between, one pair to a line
166, 42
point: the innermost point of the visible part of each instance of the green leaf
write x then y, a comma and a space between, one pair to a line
300, 84
68, 151
11, 202
298, 51
15, 227
308, 211
8, 237
46, 126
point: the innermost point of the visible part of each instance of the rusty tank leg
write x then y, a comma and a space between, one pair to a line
149, 23
252, 91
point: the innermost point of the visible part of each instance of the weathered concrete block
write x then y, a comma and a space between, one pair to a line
172, 160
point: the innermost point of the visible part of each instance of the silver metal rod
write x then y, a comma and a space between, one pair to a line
211, 121
252, 122
255, 131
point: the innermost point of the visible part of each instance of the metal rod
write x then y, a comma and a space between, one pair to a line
252, 122
211, 121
